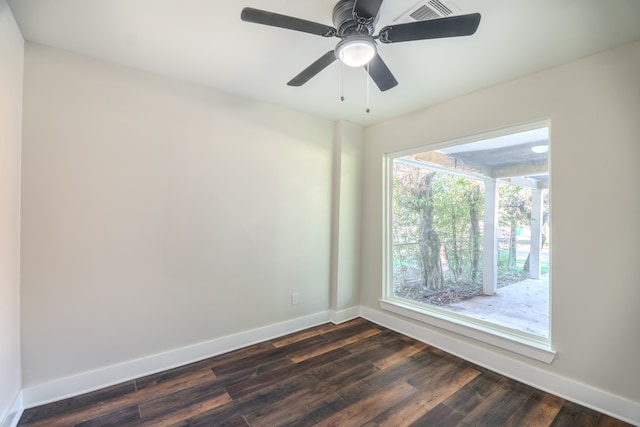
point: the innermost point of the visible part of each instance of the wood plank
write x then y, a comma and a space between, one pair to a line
175, 415
608, 421
264, 358
293, 409
397, 354
332, 405
172, 383
241, 353
434, 367
152, 385
573, 414
348, 330
290, 339
441, 415
165, 404
213, 418
248, 368
363, 410
50, 410
338, 376
498, 406
116, 418
382, 340
539, 410
430, 396
405, 370
266, 397
475, 392
302, 355
261, 380
177, 375
318, 330
80, 408
330, 327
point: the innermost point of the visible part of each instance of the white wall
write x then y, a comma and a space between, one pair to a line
347, 199
159, 214
11, 64
594, 107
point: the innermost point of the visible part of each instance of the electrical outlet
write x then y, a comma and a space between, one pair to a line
294, 298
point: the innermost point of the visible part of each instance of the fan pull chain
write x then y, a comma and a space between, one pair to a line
342, 82
367, 79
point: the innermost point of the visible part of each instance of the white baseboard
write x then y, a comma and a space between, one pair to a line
110, 375
12, 417
345, 315
566, 388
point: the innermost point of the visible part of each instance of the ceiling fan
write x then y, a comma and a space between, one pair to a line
354, 22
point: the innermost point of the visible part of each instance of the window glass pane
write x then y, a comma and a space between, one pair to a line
464, 249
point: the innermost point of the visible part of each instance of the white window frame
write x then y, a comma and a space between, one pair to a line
526, 344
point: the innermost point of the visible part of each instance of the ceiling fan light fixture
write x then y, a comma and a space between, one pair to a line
356, 50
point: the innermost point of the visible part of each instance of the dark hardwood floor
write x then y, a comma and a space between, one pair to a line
353, 374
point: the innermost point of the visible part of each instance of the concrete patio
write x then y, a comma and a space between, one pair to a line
523, 305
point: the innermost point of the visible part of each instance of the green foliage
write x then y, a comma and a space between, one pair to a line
515, 205
454, 199
457, 206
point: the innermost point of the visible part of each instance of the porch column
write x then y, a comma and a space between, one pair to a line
490, 252
536, 234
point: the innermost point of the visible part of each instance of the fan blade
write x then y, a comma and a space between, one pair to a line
381, 74
320, 64
453, 26
366, 9
258, 16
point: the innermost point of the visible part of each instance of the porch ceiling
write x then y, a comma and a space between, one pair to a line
510, 158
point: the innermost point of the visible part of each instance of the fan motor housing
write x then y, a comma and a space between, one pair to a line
346, 23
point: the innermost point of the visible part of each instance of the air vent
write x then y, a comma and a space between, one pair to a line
423, 13
428, 9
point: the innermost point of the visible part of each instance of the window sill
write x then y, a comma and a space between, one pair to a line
537, 348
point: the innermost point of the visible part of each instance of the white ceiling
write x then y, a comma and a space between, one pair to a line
204, 41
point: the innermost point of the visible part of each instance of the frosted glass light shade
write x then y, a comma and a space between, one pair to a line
356, 51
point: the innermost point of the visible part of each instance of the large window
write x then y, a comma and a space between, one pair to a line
468, 234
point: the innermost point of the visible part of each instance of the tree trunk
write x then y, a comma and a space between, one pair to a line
454, 237
513, 243
429, 240
474, 198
